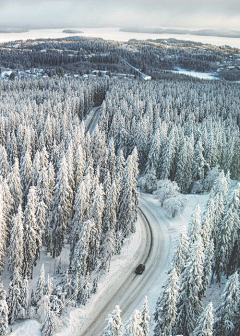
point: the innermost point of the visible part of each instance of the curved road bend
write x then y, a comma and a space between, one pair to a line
130, 293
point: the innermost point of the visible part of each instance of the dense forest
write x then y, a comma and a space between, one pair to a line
61, 185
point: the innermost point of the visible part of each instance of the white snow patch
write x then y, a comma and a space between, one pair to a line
197, 74
26, 328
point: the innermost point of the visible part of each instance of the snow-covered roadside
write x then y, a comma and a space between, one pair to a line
78, 318
172, 227
121, 265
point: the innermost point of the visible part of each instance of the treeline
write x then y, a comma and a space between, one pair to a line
180, 129
59, 52
151, 56
59, 184
210, 250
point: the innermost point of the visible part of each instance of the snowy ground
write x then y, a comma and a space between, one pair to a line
201, 75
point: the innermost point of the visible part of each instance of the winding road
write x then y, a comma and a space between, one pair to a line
132, 288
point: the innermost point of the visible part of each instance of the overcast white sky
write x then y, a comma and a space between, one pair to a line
80, 13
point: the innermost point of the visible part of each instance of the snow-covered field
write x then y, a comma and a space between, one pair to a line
113, 33
201, 75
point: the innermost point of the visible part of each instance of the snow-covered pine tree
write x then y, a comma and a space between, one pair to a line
128, 199
194, 226
25, 298
51, 324
153, 161
189, 306
205, 322
115, 326
79, 256
40, 288
183, 175
3, 312
133, 326
207, 266
79, 164
166, 310
109, 329
168, 155
31, 237
15, 249
199, 164
96, 212
26, 174
181, 254
4, 164
228, 236
109, 224
61, 207
145, 317
8, 204
227, 313
3, 230
15, 187
15, 300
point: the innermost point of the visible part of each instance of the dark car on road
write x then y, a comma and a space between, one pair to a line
140, 269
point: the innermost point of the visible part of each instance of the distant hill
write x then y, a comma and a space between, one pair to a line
202, 32
4, 30
72, 31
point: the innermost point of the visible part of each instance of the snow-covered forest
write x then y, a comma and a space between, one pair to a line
58, 184
61, 185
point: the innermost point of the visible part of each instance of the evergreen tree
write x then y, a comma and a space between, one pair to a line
205, 322
15, 300
40, 289
128, 199
181, 254
228, 235
3, 231
190, 286
15, 249
3, 312
32, 240
145, 318
26, 174
207, 267
194, 226
133, 326
51, 324
227, 313
61, 208
14, 183
166, 310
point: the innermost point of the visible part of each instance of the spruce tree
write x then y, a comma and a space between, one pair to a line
205, 322
194, 226
51, 324
181, 254
166, 310
3, 230
189, 306
145, 318
227, 313
133, 326
61, 208
15, 249
3, 312
15, 187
